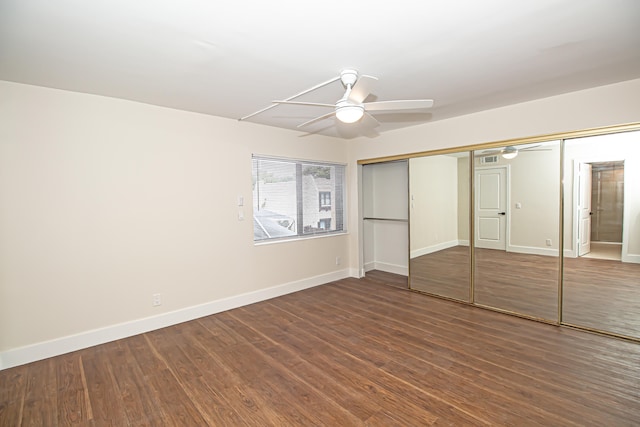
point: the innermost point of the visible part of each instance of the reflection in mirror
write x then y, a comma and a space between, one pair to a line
439, 225
601, 283
516, 229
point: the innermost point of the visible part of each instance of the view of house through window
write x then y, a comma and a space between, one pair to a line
295, 198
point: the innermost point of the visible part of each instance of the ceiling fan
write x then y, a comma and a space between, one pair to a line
511, 151
351, 108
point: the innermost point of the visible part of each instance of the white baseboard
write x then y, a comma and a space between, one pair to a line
389, 268
633, 258
58, 346
368, 266
533, 250
355, 273
434, 248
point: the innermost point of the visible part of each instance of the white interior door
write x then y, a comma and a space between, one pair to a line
584, 208
491, 203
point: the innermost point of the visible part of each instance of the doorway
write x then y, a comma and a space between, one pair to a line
601, 209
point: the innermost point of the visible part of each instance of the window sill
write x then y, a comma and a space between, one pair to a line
297, 238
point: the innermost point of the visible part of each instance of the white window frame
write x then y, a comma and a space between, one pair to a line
337, 211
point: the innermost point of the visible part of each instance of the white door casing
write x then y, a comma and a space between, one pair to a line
584, 208
490, 208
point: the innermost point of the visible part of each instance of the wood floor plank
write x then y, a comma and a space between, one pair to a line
40, 407
379, 339
298, 349
12, 395
356, 352
103, 392
210, 404
181, 410
73, 407
140, 404
303, 401
251, 406
364, 364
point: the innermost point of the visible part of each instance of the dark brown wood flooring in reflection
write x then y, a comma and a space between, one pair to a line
444, 273
352, 353
522, 283
602, 294
599, 294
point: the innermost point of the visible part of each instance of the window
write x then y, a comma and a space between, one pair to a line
324, 224
325, 200
295, 198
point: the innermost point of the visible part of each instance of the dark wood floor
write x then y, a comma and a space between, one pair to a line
609, 297
598, 294
444, 273
354, 352
522, 283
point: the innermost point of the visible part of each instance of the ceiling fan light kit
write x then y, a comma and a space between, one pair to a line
510, 153
348, 113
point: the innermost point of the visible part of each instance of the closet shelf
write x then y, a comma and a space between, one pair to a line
385, 219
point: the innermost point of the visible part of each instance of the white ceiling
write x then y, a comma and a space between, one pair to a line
231, 58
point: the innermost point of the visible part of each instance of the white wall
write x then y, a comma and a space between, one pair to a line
104, 202
563, 113
534, 186
433, 185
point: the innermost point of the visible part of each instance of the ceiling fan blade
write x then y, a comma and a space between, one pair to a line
313, 104
317, 119
535, 149
369, 121
487, 153
407, 104
318, 86
362, 89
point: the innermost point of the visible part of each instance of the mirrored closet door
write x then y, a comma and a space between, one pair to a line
516, 229
601, 282
439, 260
484, 228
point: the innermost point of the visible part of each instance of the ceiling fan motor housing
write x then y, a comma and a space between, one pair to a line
348, 77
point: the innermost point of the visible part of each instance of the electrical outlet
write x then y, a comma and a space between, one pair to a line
548, 242
338, 260
156, 300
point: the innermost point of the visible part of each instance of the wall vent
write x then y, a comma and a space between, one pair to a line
488, 160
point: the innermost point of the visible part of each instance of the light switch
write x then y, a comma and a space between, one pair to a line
240, 215
518, 205
240, 201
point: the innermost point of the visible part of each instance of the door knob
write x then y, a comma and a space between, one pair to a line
502, 213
